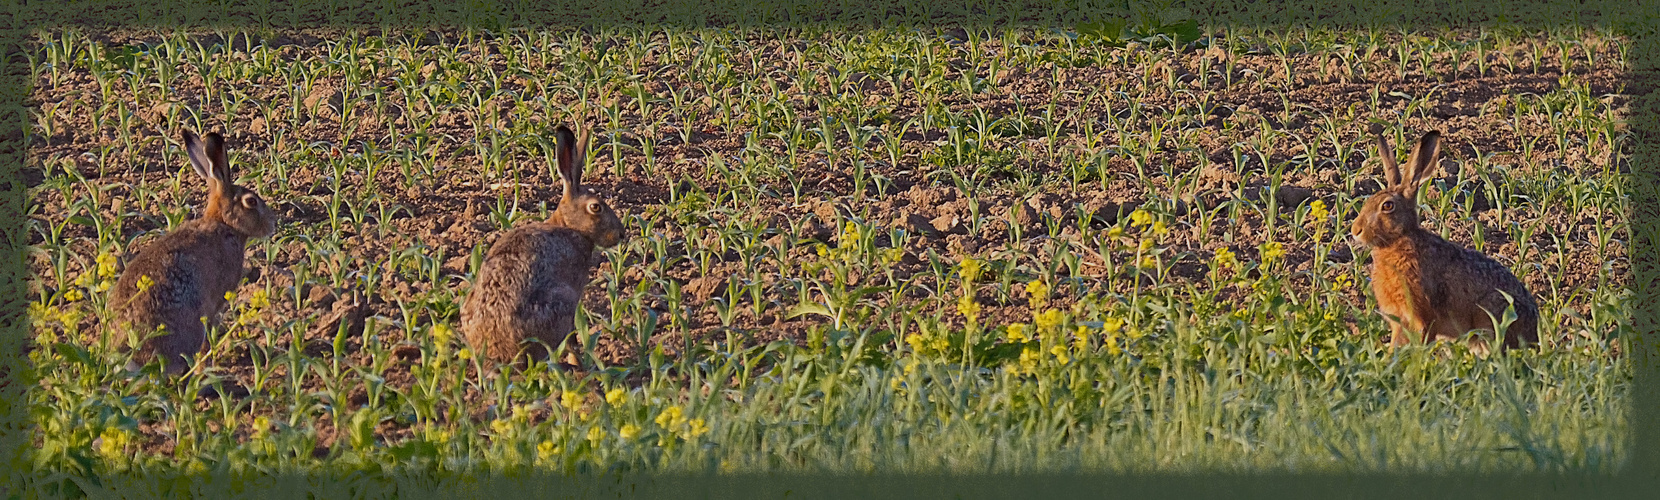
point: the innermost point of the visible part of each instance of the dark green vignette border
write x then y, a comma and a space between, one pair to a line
1639, 19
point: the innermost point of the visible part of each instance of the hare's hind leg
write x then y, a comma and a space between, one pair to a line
1523, 332
179, 349
1524, 329
565, 329
550, 333
1479, 343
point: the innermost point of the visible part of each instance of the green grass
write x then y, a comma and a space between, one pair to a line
836, 338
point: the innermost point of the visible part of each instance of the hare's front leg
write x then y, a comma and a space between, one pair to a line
1397, 330
1397, 335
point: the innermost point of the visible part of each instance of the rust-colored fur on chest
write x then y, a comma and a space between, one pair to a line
1400, 302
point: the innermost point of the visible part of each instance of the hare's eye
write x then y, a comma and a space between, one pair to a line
249, 200
594, 207
1387, 206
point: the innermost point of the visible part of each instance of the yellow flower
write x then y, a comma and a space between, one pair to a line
230, 296
570, 399
1037, 293
39, 314
1146, 244
72, 318
465, 354
821, 250
84, 280
114, 442
892, 256
1060, 354
1111, 342
1017, 333
917, 341
441, 334
629, 432
1224, 259
1140, 218
1272, 252
1029, 358
1160, 228
970, 269
1330, 316
1343, 281
1317, 211
1149, 262
697, 428
260, 300
671, 417
106, 265
144, 283
595, 434
262, 426
1049, 320
73, 295
546, 450
247, 316
438, 436
615, 397
850, 236
1080, 339
1112, 325
1115, 231
968, 307
501, 426
1134, 332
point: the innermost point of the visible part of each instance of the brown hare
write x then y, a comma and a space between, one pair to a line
530, 283
1428, 288
179, 282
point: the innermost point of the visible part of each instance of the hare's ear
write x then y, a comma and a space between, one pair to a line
1425, 157
1391, 170
570, 157
221, 160
200, 160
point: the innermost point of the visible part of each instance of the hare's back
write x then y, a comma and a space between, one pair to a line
1481, 275
533, 269
537, 256
172, 289
199, 250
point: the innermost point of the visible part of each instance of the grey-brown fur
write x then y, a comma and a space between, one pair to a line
191, 268
1428, 288
530, 283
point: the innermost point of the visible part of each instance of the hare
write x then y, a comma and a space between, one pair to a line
179, 282
1428, 288
530, 283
